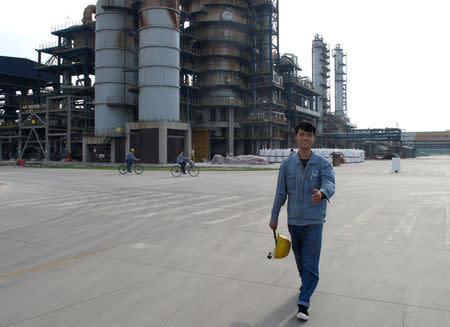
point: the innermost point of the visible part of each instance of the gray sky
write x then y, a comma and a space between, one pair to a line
396, 50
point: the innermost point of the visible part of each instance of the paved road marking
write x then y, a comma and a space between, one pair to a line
191, 199
253, 223
171, 213
140, 246
368, 214
238, 215
54, 263
422, 194
71, 204
224, 207
447, 242
336, 209
218, 207
131, 205
406, 223
237, 204
347, 230
213, 222
39, 201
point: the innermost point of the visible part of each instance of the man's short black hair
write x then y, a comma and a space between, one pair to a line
306, 126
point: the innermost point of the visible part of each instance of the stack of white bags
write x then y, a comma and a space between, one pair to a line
349, 155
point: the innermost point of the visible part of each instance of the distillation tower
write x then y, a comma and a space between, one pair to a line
230, 53
159, 60
115, 66
321, 78
340, 81
222, 32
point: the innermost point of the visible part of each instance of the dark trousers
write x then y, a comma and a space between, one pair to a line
183, 165
306, 245
129, 163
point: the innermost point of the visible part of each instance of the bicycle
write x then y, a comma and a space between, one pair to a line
190, 168
138, 169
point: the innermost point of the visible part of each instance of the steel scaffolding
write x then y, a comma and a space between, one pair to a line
56, 124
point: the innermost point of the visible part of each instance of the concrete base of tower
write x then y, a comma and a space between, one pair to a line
158, 142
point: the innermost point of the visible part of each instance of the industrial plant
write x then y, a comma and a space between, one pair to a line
205, 76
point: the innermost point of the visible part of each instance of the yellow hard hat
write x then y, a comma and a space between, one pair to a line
282, 247
132, 149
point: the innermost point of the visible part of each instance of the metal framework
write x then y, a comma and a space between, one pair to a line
19, 84
189, 81
54, 127
298, 95
266, 120
52, 130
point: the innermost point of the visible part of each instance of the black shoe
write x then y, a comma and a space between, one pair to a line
302, 312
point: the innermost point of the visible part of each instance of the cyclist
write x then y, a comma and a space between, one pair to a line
130, 158
181, 160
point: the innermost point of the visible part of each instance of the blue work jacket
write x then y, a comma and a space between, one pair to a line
296, 184
130, 156
181, 158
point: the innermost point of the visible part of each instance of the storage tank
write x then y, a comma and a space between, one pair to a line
114, 65
159, 60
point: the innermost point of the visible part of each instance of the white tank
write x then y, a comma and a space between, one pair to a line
159, 60
114, 65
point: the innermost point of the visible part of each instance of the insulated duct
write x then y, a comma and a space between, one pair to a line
87, 14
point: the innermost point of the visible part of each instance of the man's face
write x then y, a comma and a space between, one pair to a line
305, 139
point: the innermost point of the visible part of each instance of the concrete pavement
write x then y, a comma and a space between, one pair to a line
94, 248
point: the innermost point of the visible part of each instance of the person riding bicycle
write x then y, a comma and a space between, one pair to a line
130, 158
181, 160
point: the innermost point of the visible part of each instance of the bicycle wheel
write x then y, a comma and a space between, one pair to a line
193, 171
138, 169
176, 171
123, 169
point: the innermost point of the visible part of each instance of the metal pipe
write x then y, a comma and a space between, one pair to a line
87, 14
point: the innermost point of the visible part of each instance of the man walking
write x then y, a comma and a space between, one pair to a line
307, 180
